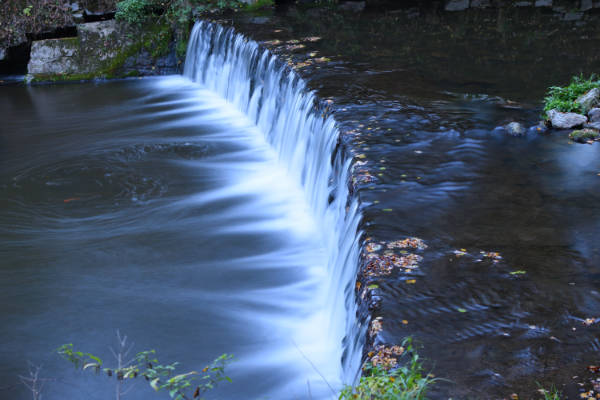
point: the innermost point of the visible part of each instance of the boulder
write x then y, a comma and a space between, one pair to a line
569, 120
584, 135
457, 5
543, 3
589, 99
2, 54
594, 115
515, 129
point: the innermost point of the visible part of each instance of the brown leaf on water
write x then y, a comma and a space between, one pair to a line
411, 242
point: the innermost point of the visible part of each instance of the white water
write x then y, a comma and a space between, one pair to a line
277, 101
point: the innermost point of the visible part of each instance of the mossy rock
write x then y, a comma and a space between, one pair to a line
105, 49
584, 135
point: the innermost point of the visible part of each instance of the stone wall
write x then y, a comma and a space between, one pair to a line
104, 49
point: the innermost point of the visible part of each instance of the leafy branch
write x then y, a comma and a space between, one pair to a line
183, 386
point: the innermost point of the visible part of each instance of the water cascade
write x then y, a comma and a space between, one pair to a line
277, 101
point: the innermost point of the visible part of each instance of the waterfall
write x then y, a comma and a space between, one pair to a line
276, 99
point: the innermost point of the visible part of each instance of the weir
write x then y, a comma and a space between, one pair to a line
277, 100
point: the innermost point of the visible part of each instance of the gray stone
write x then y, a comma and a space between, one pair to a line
589, 99
543, 3
572, 16
2, 54
78, 17
53, 56
457, 5
515, 129
523, 4
594, 115
586, 5
353, 6
480, 3
592, 125
562, 120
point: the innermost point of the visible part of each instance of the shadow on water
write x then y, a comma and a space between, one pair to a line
419, 92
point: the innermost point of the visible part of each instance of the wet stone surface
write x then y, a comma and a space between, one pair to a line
500, 296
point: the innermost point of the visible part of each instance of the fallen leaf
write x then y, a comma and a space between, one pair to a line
461, 310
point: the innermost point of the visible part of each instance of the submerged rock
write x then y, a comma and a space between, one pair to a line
569, 120
589, 99
584, 135
515, 129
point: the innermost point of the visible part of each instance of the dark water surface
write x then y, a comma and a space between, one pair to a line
151, 206
418, 93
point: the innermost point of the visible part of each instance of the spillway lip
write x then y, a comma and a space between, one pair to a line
367, 296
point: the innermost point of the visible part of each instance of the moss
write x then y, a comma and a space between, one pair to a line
583, 135
259, 4
157, 40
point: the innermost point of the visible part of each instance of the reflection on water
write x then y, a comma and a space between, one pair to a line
419, 93
153, 207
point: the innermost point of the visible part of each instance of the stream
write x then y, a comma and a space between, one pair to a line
217, 212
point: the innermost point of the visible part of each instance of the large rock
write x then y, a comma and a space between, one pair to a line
589, 99
2, 54
569, 120
594, 115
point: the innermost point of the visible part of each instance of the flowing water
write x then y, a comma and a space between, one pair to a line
209, 213
155, 207
418, 94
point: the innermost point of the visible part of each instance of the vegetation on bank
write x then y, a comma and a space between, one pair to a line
406, 382
564, 98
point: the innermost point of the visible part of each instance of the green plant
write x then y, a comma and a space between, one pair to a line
552, 394
563, 98
407, 382
173, 11
188, 385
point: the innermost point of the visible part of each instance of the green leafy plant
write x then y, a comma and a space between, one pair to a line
563, 98
182, 386
552, 394
407, 382
173, 11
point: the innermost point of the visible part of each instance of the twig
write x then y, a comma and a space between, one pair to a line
315, 368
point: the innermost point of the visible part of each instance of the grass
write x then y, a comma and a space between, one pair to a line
552, 394
407, 382
563, 98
